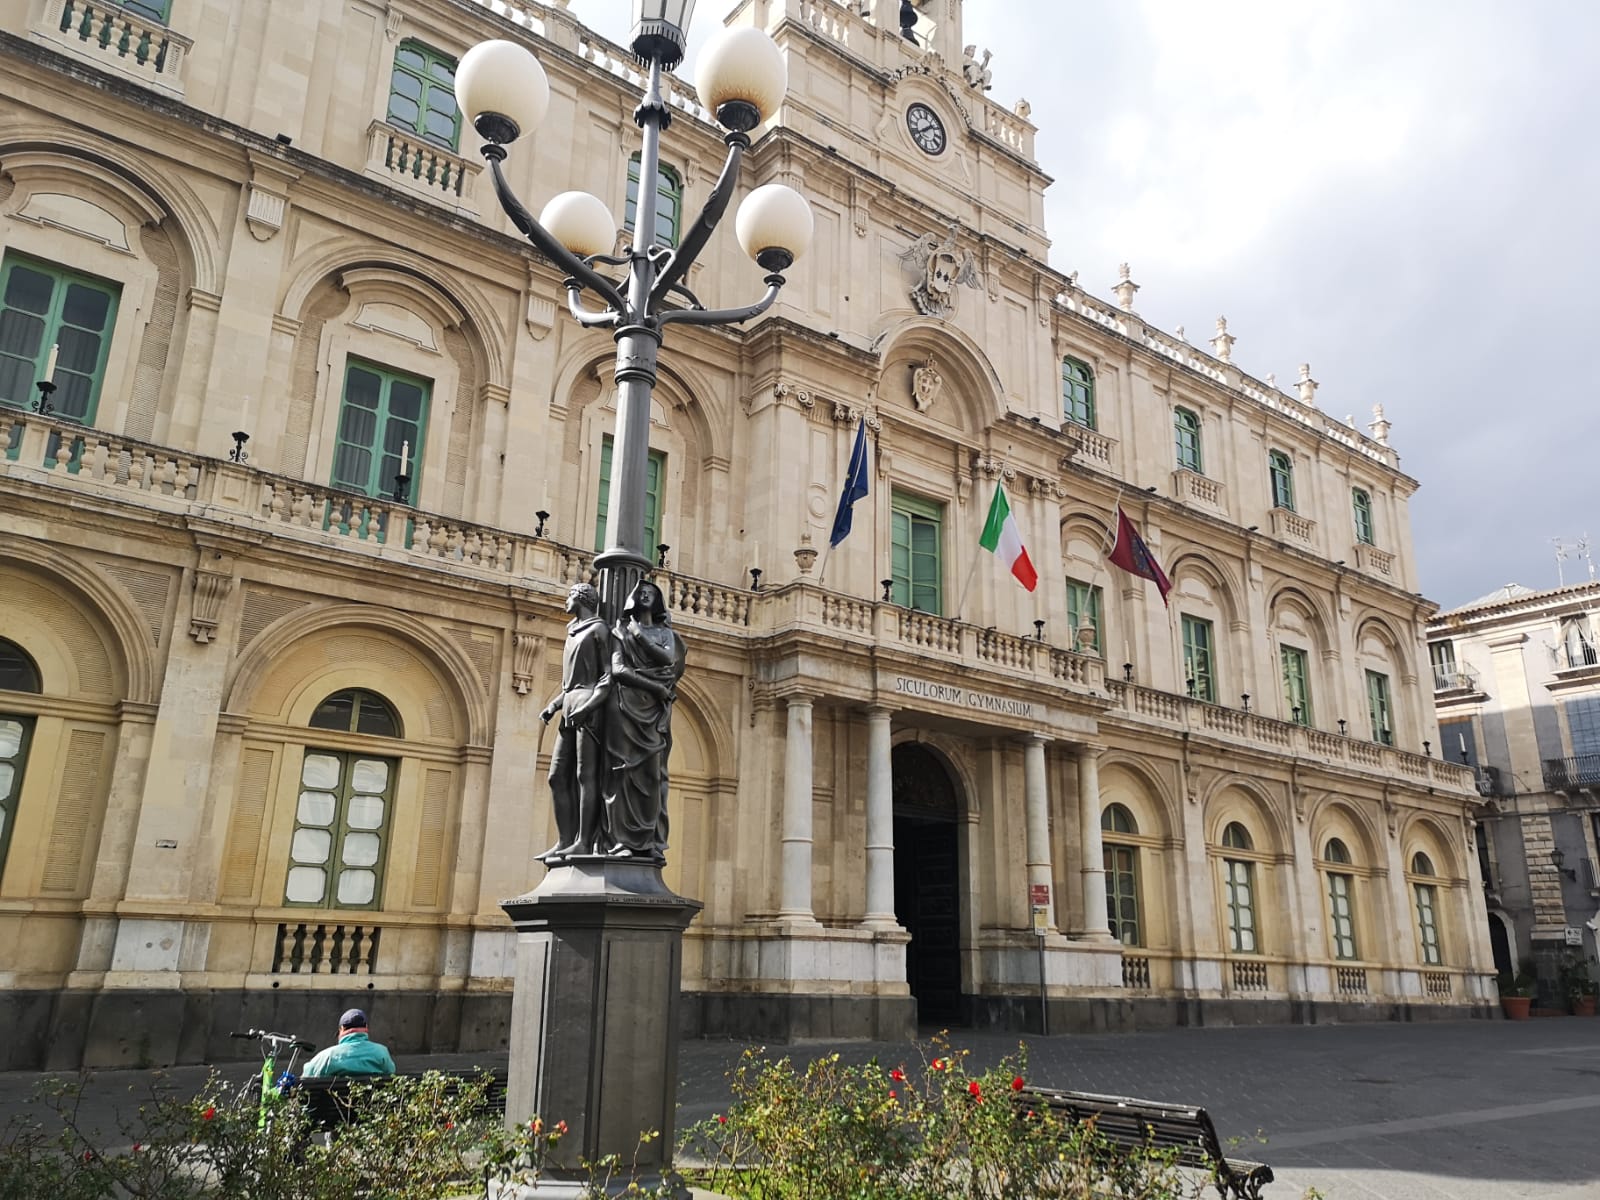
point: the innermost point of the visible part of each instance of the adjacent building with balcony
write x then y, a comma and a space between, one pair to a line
269, 733
1516, 680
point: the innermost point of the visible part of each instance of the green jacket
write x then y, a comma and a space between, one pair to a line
352, 1054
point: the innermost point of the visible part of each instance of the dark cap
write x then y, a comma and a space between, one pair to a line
353, 1018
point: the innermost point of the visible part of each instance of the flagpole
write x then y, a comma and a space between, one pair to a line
822, 567
973, 569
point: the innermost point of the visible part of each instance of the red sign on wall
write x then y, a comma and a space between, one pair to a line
1039, 893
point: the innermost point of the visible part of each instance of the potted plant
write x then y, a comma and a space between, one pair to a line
1516, 993
1577, 989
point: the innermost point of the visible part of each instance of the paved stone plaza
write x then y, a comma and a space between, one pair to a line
1470, 1110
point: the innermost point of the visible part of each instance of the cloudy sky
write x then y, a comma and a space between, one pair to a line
1405, 195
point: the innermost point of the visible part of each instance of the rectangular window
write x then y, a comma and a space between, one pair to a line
669, 202
657, 471
1341, 924
1083, 600
14, 732
1583, 724
1281, 469
1199, 669
1427, 924
1296, 684
156, 10
383, 412
1077, 392
1443, 657
1361, 509
916, 550
1186, 431
1378, 708
1240, 878
422, 95
1455, 739
341, 830
43, 306
1577, 639
1122, 893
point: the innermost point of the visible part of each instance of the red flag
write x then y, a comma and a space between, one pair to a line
1131, 554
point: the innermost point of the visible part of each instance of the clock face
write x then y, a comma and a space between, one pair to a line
927, 131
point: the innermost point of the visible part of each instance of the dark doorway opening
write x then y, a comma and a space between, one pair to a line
927, 882
1500, 946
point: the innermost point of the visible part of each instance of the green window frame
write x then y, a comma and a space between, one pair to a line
1296, 668
669, 201
1083, 599
1361, 510
652, 497
1199, 661
1186, 433
155, 10
1280, 468
916, 553
422, 95
43, 305
1122, 877
1379, 708
1341, 915
1428, 923
1077, 392
1240, 879
381, 411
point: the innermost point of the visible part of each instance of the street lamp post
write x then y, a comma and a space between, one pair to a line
593, 1036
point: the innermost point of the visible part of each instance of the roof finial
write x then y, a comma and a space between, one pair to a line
1308, 385
1125, 288
1222, 344
1379, 427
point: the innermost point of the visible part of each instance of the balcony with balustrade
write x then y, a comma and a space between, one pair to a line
1575, 773
116, 39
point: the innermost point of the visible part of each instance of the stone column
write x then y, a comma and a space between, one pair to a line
1096, 926
795, 903
880, 823
1038, 810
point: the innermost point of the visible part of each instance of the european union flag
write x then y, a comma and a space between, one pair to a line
855, 486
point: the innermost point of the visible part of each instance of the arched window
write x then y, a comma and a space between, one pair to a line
1281, 471
1122, 876
341, 828
1077, 392
1341, 902
669, 201
1361, 510
1426, 895
18, 673
422, 95
1239, 882
1186, 432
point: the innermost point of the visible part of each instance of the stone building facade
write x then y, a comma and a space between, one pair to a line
1516, 679
271, 718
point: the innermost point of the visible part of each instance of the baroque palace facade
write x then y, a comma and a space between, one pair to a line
269, 721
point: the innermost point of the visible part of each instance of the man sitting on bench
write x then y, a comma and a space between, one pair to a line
353, 1054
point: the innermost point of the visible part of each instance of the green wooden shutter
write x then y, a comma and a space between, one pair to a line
43, 306
1077, 392
1186, 432
655, 476
422, 96
382, 411
669, 202
1282, 471
1378, 707
1342, 928
1296, 683
1083, 598
916, 548
156, 10
1361, 507
1197, 658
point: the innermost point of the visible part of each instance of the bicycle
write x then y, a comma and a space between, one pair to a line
272, 1084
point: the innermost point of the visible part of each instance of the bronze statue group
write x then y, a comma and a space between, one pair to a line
608, 773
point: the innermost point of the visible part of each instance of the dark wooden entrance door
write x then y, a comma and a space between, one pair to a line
927, 882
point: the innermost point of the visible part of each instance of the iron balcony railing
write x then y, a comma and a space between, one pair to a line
1449, 680
1580, 655
1573, 773
1491, 782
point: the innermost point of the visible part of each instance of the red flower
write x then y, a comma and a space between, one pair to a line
561, 1126
937, 1064
891, 1093
974, 1090
449, 1124
1030, 1112
721, 1120
536, 1125
88, 1156
1017, 1084
211, 1111
137, 1147
897, 1075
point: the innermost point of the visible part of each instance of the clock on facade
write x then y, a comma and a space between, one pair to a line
927, 131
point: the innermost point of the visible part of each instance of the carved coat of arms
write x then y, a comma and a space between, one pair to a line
938, 268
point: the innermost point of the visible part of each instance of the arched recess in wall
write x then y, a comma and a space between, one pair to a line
395, 311
1380, 650
94, 655
1302, 645
683, 440
1207, 591
1150, 848
442, 704
1361, 897
84, 207
1438, 892
1084, 542
964, 392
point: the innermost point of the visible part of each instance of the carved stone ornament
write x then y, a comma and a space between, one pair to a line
784, 390
977, 73
926, 385
525, 651
937, 269
210, 590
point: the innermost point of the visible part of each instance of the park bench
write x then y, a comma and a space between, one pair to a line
1149, 1124
332, 1100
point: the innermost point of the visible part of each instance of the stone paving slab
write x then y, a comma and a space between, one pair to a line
1475, 1110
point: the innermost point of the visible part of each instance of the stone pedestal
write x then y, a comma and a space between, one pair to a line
594, 1017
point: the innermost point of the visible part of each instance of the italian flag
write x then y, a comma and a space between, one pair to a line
1000, 538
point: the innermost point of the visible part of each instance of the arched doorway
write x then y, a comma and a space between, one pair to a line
927, 881
1500, 945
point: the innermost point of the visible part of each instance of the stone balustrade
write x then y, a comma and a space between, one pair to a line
116, 39
407, 160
